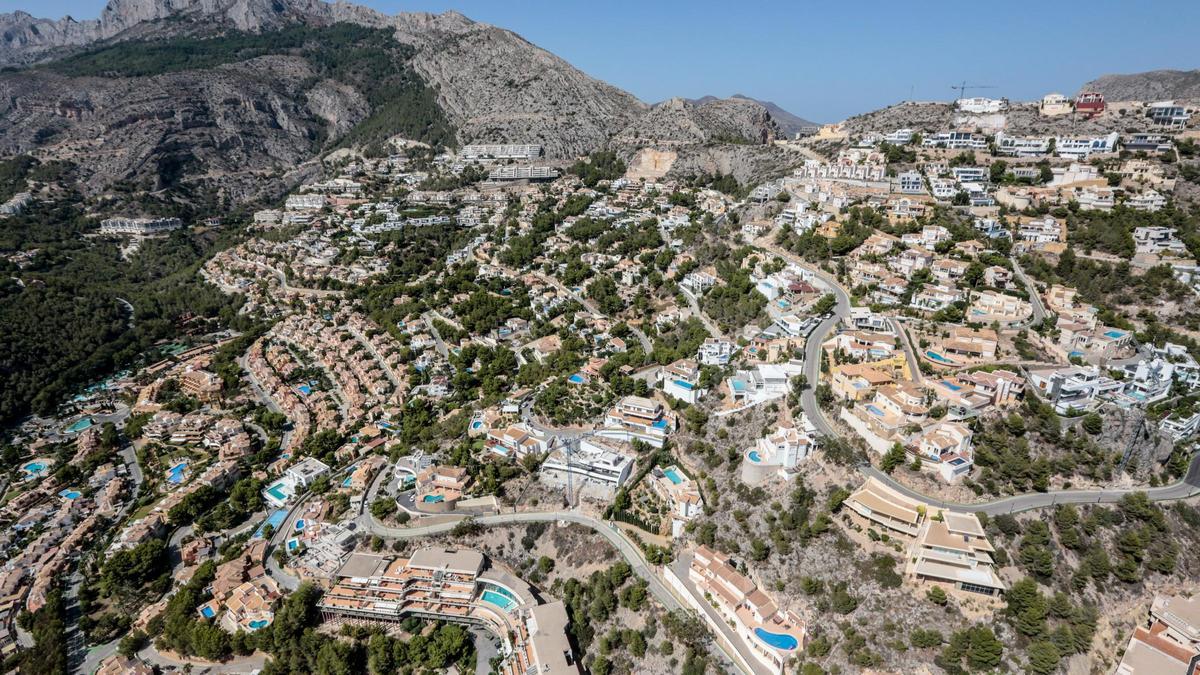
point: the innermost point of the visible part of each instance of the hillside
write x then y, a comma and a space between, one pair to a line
1149, 86
787, 122
229, 113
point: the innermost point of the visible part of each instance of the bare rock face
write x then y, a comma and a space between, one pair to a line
681, 122
496, 86
1154, 85
714, 136
235, 127
230, 126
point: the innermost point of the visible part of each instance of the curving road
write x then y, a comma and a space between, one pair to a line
1184, 489
628, 550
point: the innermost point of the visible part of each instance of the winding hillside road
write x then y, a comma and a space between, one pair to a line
1184, 489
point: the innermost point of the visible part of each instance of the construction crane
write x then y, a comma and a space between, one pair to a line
963, 87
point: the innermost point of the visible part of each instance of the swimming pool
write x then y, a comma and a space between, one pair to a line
501, 601
304, 389
684, 385
175, 475
278, 492
433, 499
937, 357
737, 385
874, 410
777, 640
82, 424
660, 424
293, 544
34, 468
299, 525
274, 520
346, 481
576, 379
476, 424
672, 476
70, 494
1114, 334
755, 457
950, 385
259, 623
207, 612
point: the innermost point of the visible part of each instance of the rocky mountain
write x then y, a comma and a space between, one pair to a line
1153, 85
235, 97
788, 123
679, 121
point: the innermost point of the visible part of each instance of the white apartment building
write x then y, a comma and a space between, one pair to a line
498, 151
1083, 147
981, 105
138, 227
955, 140
1015, 146
715, 352
1158, 240
596, 460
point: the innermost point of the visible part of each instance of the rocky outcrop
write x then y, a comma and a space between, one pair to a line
493, 85
680, 122
1154, 85
239, 123
787, 122
235, 128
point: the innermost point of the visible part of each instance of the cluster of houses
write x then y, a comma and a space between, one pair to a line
459, 586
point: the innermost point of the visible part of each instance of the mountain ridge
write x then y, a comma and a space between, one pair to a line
789, 123
1148, 85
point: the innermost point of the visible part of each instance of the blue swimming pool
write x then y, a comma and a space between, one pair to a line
937, 357
293, 544
755, 457
874, 410
672, 476
207, 612
175, 475
433, 499
346, 481
260, 623
684, 385
1114, 334
501, 601
660, 424
70, 494
777, 640
476, 424
950, 385
299, 525
82, 424
576, 379
278, 492
304, 389
738, 385
34, 468
274, 520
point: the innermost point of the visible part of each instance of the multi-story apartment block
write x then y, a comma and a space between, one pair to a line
460, 586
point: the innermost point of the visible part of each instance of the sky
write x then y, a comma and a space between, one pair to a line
826, 60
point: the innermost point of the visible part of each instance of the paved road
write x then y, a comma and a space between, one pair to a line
1035, 300
628, 550
902, 336
437, 337
695, 306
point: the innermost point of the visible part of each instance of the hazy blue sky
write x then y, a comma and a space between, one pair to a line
827, 60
